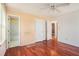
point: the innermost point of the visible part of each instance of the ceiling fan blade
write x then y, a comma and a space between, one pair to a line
62, 4
57, 10
45, 7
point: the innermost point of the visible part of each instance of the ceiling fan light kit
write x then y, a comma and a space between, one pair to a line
54, 6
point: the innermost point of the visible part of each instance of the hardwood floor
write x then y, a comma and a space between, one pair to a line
67, 50
43, 49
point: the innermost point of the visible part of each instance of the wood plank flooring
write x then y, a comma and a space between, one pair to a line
67, 50
43, 49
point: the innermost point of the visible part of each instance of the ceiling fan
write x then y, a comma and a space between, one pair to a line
54, 6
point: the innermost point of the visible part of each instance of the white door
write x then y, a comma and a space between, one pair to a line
13, 31
40, 30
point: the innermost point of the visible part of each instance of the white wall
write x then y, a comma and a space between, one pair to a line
2, 49
68, 28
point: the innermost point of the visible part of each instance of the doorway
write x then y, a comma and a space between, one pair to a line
13, 31
54, 29
54, 34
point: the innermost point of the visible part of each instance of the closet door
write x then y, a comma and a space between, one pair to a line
40, 30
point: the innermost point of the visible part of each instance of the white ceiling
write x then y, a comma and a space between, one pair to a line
40, 9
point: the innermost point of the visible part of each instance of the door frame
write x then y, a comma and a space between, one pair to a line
56, 28
19, 28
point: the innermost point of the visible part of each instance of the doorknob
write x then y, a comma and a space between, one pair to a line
8, 42
8, 30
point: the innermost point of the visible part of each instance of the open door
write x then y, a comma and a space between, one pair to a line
13, 31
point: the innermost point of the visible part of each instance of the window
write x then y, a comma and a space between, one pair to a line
2, 23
